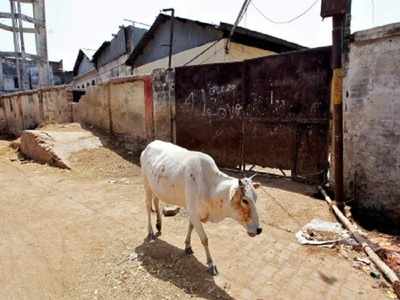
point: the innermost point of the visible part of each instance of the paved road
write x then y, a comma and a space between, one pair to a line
79, 234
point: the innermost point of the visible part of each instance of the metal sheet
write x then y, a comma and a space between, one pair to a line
272, 111
208, 111
287, 111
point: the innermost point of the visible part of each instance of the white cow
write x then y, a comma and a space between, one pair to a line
192, 180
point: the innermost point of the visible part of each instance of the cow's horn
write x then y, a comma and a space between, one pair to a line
251, 177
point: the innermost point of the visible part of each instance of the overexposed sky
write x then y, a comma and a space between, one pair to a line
75, 24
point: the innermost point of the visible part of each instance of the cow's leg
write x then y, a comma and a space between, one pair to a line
188, 243
149, 198
157, 207
212, 269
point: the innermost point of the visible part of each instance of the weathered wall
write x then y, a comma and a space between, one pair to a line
164, 105
372, 123
3, 120
127, 103
214, 53
121, 107
27, 110
93, 108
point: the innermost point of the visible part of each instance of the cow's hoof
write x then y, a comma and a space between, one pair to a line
188, 251
212, 269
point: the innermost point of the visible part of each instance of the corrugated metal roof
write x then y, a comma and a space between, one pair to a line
241, 35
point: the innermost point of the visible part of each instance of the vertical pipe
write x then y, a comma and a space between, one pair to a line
171, 38
171, 35
336, 98
169, 73
243, 100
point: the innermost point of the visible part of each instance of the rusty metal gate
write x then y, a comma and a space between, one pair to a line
272, 111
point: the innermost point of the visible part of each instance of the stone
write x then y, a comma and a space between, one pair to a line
170, 211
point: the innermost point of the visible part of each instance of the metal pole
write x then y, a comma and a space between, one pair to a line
242, 11
337, 97
171, 35
340, 11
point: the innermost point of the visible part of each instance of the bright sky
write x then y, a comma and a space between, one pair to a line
75, 24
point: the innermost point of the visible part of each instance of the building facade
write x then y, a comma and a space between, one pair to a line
108, 61
9, 75
197, 43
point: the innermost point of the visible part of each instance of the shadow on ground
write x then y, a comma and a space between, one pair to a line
280, 182
169, 263
116, 145
273, 181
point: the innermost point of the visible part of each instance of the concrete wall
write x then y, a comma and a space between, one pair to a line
121, 107
27, 110
215, 53
164, 105
3, 119
372, 123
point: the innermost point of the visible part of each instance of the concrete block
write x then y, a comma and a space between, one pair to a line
56, 147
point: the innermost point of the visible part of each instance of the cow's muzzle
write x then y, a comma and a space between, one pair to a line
253, 234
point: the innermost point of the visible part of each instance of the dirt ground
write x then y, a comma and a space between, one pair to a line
80, 235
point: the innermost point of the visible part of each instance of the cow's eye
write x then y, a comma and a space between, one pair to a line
245, 201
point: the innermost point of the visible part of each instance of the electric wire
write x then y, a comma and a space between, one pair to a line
201, 53
287, 21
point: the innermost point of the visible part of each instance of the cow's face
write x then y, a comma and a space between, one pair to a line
244, 206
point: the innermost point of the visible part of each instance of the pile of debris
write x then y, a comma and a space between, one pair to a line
332, 235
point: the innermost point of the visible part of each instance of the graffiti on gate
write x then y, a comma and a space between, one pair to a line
210, 102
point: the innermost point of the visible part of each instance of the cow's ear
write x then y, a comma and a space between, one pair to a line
241, 186
256, 185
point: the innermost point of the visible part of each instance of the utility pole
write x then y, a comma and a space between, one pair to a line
242, 11
338, 10
171, 35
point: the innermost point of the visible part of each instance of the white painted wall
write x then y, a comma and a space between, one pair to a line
215, 54
372, 124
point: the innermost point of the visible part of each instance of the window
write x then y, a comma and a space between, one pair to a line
16, 85
93, 82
